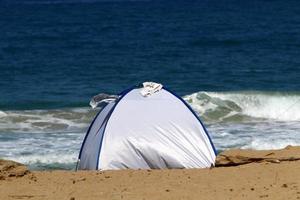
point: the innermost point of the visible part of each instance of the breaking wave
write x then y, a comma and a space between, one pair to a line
211, 106
41, 121
51, 139
244, 106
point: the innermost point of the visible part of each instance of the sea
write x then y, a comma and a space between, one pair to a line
237, 63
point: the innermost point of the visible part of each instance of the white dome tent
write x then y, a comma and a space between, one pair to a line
147, 127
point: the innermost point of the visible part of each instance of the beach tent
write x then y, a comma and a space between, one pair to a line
146, 127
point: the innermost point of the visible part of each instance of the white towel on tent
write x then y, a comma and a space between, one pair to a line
150, 88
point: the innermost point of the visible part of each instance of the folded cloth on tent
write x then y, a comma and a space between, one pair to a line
102, 97
150, 88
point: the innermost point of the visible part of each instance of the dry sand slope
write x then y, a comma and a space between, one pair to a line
240, 174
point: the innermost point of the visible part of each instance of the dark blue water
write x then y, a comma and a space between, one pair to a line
59, 53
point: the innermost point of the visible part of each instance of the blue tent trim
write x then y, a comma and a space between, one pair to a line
88, 131
123, 94
189, 107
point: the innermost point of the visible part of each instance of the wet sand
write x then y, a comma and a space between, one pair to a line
239, 174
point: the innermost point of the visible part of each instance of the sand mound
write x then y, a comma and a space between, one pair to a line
12, 169
236, 157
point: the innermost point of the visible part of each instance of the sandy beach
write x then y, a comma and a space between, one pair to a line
239, 174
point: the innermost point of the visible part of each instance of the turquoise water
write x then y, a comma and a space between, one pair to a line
235, 62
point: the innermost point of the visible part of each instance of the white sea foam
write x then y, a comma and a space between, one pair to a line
220, 105
261, 144
2, 114
255, 135
47, 159
36, 149
41, 121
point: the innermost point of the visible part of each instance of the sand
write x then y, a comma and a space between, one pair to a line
239, 174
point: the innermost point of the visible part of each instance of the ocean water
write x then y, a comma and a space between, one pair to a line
237, 63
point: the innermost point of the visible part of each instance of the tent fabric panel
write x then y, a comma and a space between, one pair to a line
121, 95
91, 145
190, 108
158, 131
